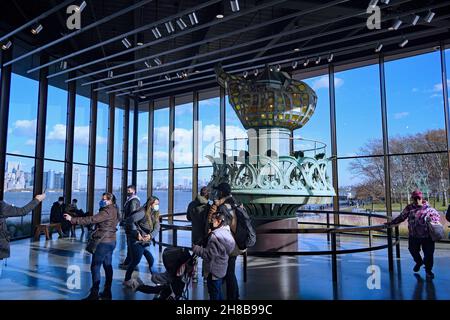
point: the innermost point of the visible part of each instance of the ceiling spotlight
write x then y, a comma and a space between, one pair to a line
403, 43
168, 78
397, 23
379, 47
271, 68
81, 7
6, 45
318, 60
140, 39
110, 73
169, 27
385, 1
415, 19
140, 83
234, 5
305, 64
157, 61
278, 68
197, 71
63, 65
37, 28
330, 57
373, 3
181, 24
255, 72
142, 97
184, 74
179, 76
430, 15
126, 43
156, 33
245, 74
296, 49
219, 16
294, 64
147, 64
193, 18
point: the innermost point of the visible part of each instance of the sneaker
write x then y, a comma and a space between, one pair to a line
430, 275
106, 294
417, 267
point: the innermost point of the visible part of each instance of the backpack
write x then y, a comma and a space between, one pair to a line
244, 235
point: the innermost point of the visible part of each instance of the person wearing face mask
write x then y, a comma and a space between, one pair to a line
219, 245
106, 221
197, 212
417, 213
56, 215
131, 205
141, 228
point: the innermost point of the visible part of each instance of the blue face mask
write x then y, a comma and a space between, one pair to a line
102, 203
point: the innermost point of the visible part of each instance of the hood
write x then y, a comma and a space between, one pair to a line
225, 237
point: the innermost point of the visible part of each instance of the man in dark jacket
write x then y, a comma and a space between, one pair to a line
56, 215
197, 212
7, 211
131, 205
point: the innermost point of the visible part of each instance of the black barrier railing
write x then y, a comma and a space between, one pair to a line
331, 230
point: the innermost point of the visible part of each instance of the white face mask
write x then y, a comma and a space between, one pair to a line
156, 207
210, 202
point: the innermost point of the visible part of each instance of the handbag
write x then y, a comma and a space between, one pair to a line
93, 242
436, 230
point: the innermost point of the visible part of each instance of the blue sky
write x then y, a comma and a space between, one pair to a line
414, 101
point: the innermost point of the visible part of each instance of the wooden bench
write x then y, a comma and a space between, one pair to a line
46, 229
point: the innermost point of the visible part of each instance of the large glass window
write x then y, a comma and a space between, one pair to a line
182, 193
234, 129
130, 140
18, 191
415, 103
79, 185
55, 133
118, 137
117, 186
81, 136
208, 127
358, 111
183, 132
100, 186
161, 139
53, 183
204, 177
101, 153
161, 187
141, 186
22, 116
142, 160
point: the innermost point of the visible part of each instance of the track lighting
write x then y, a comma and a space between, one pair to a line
330, 57
168, 78
234, 5
63, 65
184, 74
142, 97
379, 47
156, 33
179, 76
318, 60
296, 49
110, 73
255, 72
278, 68
181, 24
126, 43
6, 45
193, 18
415, 19
397, 23
81, 7
294, 64
147, 64
403, 43
245, 74
219, 16
140, 39
373, 3
157, 61
169, 27
385, 1
305, 64
430, 15
37, 28
140, 83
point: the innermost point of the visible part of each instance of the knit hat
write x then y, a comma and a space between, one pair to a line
417, 194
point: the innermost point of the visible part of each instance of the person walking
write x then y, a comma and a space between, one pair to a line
418, 213
141, 228
106, 221
131, 205
9, 211
219, 246
197, 213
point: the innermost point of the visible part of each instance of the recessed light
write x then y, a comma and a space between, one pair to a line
219, 16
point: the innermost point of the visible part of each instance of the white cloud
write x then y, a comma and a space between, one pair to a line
30, 142
323, 83
160, 155
25, 128
438, 86
81, 135
58, 133
400, 115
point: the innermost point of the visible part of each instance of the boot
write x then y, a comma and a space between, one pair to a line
93, 295
106, 293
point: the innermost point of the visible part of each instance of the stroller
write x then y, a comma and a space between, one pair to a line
174, 283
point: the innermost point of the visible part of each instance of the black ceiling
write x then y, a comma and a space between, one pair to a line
249, 38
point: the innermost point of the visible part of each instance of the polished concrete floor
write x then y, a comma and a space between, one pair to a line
42, 270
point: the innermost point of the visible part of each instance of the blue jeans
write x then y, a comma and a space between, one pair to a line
102, 256
214, 288
137, 250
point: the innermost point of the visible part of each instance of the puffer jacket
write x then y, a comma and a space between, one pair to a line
197, 212
106, 221
139, 223
7, 211
131, 205
217, 251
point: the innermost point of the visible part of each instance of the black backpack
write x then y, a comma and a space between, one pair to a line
245, 235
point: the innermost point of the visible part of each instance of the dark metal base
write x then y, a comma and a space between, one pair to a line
275, 242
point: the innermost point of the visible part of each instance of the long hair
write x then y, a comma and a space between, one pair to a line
148, 210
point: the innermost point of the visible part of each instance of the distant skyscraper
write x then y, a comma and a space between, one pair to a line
51, 179
76, 178
12, 166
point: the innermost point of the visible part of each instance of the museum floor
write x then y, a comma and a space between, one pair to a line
38, 271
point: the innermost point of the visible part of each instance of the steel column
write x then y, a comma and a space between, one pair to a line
40, 140
171, 148
70, 128
446, 104
151, 114
223, 125
135, 142
92, 151
5, 91
195, 141
126, 132
111, 128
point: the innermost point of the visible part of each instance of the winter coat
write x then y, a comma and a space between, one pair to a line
139, 223
197, 212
